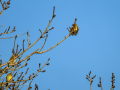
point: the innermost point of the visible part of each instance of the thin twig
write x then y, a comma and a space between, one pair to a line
44, 43
54, 45
28, 38
2, 26
12, 37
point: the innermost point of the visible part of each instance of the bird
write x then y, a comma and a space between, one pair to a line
74, 30
12, 59
8, 78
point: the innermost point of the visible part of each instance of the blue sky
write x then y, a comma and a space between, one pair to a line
96, 48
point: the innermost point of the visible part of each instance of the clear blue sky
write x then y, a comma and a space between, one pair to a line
96, 48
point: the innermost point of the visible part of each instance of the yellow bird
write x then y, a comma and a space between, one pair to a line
12, 59
8, 78
74, 30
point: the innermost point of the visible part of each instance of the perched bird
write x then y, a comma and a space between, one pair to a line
74, 30
12, 59
8, 78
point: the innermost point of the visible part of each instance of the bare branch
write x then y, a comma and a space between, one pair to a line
14, 45
90, 79
38, 38
12, 37
40, 31
6, 31
6, 6
44, 43
28, 38
2, 26
100, 85
54, 45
